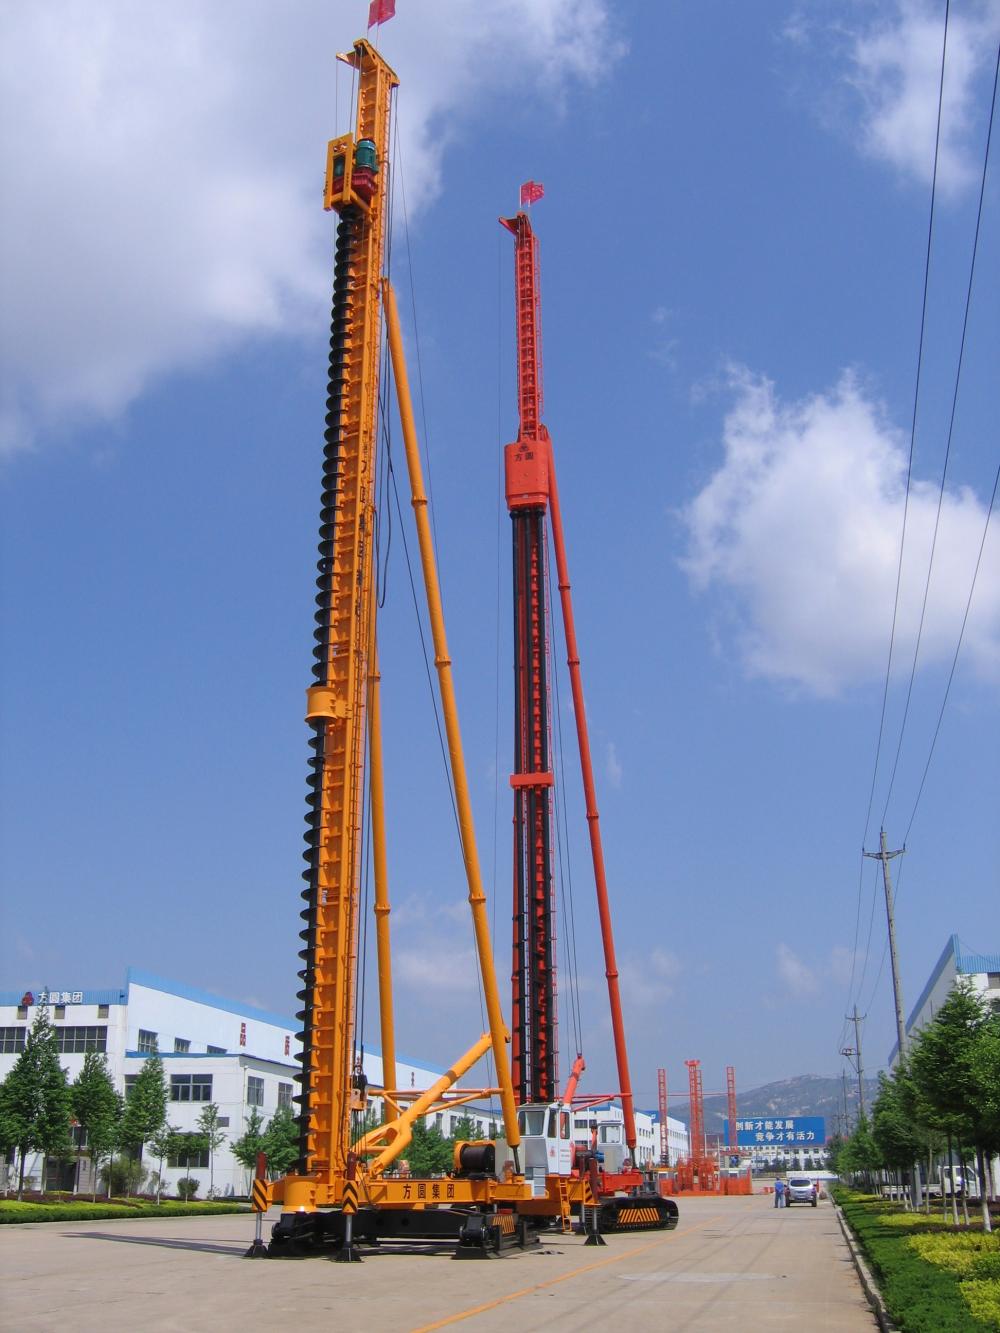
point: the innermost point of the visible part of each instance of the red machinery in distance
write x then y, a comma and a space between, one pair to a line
731, 1106
702, 1171
661, 1090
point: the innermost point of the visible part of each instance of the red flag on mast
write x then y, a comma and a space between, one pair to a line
381, 11
531, 192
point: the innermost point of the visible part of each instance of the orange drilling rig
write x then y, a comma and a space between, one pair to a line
348, 1188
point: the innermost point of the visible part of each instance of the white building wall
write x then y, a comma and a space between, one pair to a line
983, 970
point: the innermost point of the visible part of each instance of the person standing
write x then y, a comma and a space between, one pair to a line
779, 1193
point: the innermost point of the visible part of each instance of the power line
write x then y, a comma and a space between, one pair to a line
906, 503
951, 429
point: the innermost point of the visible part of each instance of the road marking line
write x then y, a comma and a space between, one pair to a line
554, 1281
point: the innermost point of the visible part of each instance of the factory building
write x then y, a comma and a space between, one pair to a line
220, 1051
957, 960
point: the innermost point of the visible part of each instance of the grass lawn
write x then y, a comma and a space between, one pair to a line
933, 1277
82, 1210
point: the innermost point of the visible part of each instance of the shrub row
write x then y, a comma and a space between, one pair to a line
11, 1211
932, 1280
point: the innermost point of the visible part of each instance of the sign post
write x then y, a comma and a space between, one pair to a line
259, 1201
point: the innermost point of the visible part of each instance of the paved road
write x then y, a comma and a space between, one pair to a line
732, 1264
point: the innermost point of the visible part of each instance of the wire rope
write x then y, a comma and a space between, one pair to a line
566, 882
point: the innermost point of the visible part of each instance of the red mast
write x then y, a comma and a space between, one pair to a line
731, 1100
697, 1110
531, 485
661, 1088
534, 1053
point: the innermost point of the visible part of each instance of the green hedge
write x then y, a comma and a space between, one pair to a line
933, 1278
11, 1211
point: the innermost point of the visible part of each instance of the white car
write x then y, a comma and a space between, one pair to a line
800, 1189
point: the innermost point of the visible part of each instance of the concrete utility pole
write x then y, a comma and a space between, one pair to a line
855, 1051
885, 857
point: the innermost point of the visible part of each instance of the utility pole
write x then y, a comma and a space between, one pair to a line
885, 857
847, 1118
855, 1052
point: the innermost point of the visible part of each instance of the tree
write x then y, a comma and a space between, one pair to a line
281, 1142
145, 1107
250, 1142
97, 1108
35, 1098
860, 1156
428, 1152
163, 1144
893, 1130
183, 1146
944, 1062
214, 1136
464, 1129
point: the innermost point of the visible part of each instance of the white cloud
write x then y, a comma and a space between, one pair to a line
162, 170
800, 528
798, 979
613, 767
896, 68
441, 968
841, 966
647, 980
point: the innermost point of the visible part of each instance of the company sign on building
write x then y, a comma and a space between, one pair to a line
793, 1131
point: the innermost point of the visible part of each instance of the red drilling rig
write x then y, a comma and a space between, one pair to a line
625, 1197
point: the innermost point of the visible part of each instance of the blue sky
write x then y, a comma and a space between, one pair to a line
733, 239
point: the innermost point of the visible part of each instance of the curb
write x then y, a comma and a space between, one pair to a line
868, 1283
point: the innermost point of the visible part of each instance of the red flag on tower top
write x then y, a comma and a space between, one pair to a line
381, 11
531, 192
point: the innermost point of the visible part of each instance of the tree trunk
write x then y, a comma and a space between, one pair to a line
951, 1182
930, 1170
20, 1177
984, 1202
965, 1192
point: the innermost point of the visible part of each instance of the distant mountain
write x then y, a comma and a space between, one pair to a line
807, 1094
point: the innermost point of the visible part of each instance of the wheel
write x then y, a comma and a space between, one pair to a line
814, 1203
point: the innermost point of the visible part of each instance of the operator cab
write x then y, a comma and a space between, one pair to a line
546, 1139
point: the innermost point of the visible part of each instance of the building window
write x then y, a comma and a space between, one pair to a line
255, 1091
147, 1042
216, 1050
992, 982
22, 1011
59, 1011
103, 1010
181, 1045
12, 1040
284, 1095
188, 1161
129, 1084
223, 1122
71, 1041
190, 1087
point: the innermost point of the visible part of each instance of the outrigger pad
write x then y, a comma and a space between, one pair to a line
258, 1250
